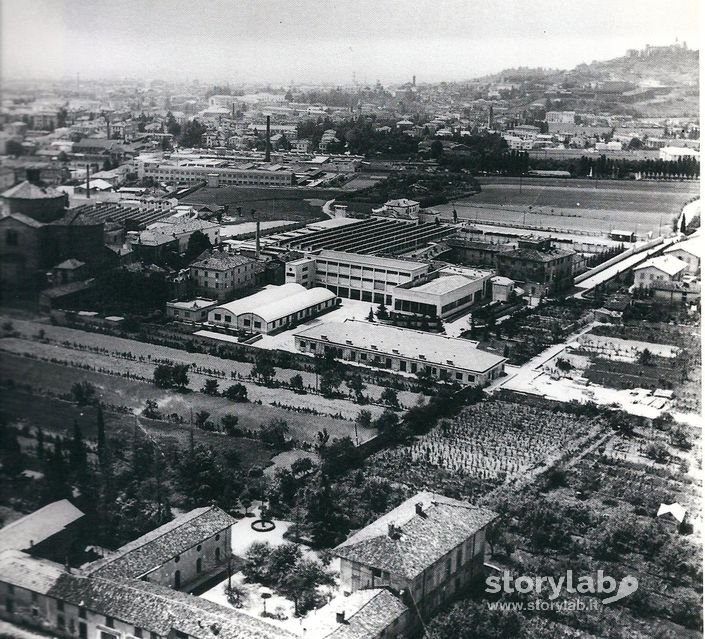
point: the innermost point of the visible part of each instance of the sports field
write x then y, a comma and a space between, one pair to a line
588, 205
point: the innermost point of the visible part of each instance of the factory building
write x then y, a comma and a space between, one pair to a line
443, 293
369, 278
402, 350
274, 309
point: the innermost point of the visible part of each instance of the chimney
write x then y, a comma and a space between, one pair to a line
419, 508
391, 530
88, 180
257, 239
267, 152
340, 616
107, 121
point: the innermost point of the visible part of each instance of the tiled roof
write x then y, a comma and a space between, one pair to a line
368, 612
161, 610
23, 219
39, 525
535, 255
28, 191
666, 263
21, 570
222, 261
150, 551
422, 539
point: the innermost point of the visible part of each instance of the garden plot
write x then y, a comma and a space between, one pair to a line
486, 445
625, 350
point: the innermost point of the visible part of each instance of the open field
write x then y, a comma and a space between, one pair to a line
588, 205
293, 203
134, 394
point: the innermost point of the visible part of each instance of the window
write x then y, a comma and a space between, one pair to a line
199, 547
59, 605
11, 237
82, 613
217, 537
109, 622
177, 559
177, 579
82, 630
217, 554
199, 565
227, 319
60, 621
138, 632
217, 317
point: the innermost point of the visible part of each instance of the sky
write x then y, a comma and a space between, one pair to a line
307, 41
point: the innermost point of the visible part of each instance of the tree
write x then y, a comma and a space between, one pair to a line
151, 410
202, 418
389, 397
297, 383
101, 435
264, 368
469, 619
11, 456
301, 584
387, 421
382, 312
645, 357
230, 423
357, 386
371, 315
83, 393
436, 149
78, 455
13, 147
274, 433
236, 393
340, 456
210, 387
302, 466
364, 418
163, 376
197, 244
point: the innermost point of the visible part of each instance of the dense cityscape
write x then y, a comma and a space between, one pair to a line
351, 359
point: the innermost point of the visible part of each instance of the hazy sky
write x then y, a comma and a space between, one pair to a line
326, 40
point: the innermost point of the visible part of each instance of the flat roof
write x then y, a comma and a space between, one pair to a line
442, 285
371, 260
423, 347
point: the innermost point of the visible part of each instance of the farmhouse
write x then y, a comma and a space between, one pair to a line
665, 268
688, 252
430, 547
273, 309
403, 350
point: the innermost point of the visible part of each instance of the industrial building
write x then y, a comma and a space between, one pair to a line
273, 309
403, 350
360, 277
443, 293
375, 236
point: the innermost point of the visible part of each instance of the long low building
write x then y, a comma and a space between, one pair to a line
273, 309
403, 350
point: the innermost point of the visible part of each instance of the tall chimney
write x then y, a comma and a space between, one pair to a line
88, 180
107, 121
267, 154
257, 239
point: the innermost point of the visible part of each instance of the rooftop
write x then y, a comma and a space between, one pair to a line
223, 261
421, 539
415, 345
667, 263
535, 255
150, 551
371, 260
692, 246
39, 525
193, 305
368, 612
28, 191
444, 284
21, 570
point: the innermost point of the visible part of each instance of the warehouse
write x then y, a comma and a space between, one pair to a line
402, 350
273, 309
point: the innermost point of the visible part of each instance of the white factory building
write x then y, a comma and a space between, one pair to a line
369, 278
443, 293
403, 350
274, 309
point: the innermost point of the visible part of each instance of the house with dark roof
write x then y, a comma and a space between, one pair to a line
541, 269
427, 550
221, 276
180, 554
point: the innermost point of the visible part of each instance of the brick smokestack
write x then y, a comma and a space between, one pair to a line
267, 153
88, 180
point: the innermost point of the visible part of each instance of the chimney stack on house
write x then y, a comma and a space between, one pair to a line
340, 616
419, 508
257, 239
88, 180
267, 152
